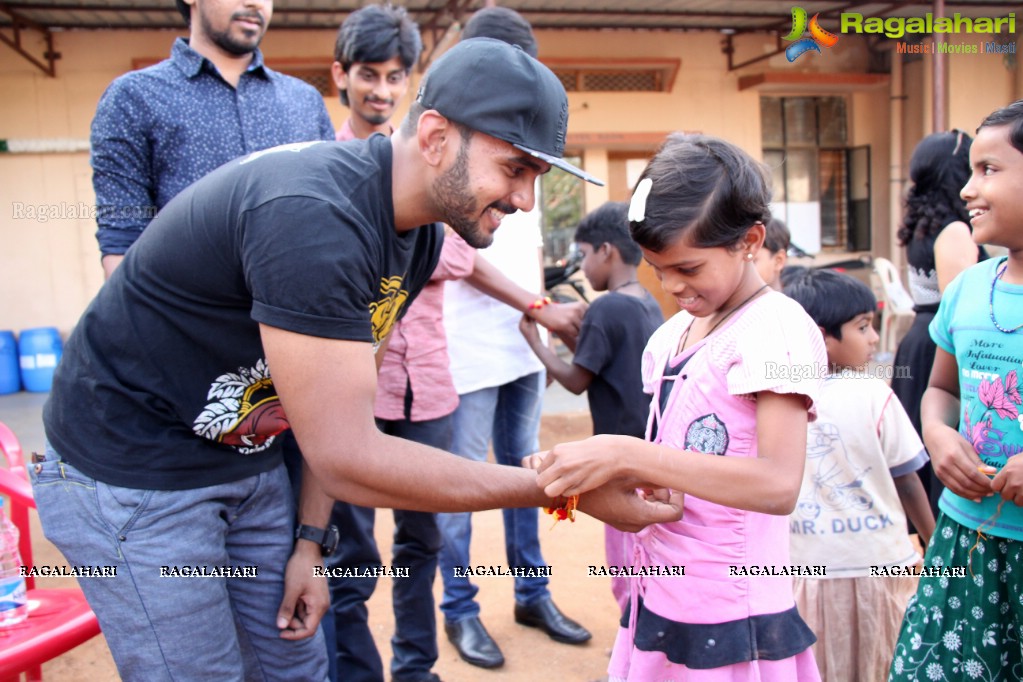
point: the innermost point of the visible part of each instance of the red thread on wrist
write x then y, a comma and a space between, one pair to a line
565, 509
540, 303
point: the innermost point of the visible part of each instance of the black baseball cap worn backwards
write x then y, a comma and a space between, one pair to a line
497, 89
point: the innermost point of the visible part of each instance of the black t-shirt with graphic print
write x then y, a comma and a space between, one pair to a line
613, 335
163, 383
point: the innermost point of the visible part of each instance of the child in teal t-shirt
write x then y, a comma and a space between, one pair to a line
966, 619
989, 363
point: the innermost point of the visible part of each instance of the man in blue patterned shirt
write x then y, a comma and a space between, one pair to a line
160, 129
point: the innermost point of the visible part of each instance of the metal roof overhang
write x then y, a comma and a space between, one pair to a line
440, 18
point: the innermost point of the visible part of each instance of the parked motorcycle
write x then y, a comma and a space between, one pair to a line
563, 275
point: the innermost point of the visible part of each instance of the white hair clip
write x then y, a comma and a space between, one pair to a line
637, 207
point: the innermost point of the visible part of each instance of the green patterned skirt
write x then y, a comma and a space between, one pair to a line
964, 628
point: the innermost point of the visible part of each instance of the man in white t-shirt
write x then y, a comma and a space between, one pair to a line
500, 385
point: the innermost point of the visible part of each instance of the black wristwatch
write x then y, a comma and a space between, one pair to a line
327, 538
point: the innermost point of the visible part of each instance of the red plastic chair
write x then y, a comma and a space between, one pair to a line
58, 620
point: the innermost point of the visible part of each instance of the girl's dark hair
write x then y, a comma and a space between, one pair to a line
704, 188
939, 169
609, 224
1012, 116
830, 298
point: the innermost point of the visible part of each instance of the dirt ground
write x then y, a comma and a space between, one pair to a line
529, 654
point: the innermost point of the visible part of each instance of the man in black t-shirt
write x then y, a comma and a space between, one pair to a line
163, 420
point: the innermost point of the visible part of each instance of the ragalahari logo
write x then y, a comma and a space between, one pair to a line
817, 39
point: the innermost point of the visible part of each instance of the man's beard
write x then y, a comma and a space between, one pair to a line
374, 117
457, 204
226, 42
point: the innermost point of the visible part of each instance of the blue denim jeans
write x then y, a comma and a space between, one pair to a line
510, 416
182, 628
416, 544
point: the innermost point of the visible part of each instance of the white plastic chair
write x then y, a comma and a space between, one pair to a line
898, 305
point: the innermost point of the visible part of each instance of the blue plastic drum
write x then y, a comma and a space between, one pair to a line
39, 351
10, 378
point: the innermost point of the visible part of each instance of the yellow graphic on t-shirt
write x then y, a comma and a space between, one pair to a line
384, 312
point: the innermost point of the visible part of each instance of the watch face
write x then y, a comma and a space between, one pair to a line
330, 540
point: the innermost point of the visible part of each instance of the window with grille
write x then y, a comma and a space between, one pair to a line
655, 76
611, 81
818, 177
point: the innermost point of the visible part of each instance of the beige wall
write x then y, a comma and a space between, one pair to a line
50, 270
869, 127
985, 84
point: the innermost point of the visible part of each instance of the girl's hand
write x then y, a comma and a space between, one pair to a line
956, 463
1009, 481
533, 461
575, 468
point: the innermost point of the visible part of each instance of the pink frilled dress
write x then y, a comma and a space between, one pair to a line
712, 624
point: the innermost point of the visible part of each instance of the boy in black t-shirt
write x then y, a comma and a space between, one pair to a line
614, 333
615, 328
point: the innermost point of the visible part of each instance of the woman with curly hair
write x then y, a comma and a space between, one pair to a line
936, 234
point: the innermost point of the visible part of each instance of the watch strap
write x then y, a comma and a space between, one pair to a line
311, 533
326, 538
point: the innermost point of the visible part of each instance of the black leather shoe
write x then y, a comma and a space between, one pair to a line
474, 643
545, 615
430, 677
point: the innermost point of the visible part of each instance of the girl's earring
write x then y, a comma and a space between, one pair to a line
749, 256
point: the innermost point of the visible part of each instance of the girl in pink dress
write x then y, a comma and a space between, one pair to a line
734, 376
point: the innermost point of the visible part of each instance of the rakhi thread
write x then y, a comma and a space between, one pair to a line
990, 521
563, 511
